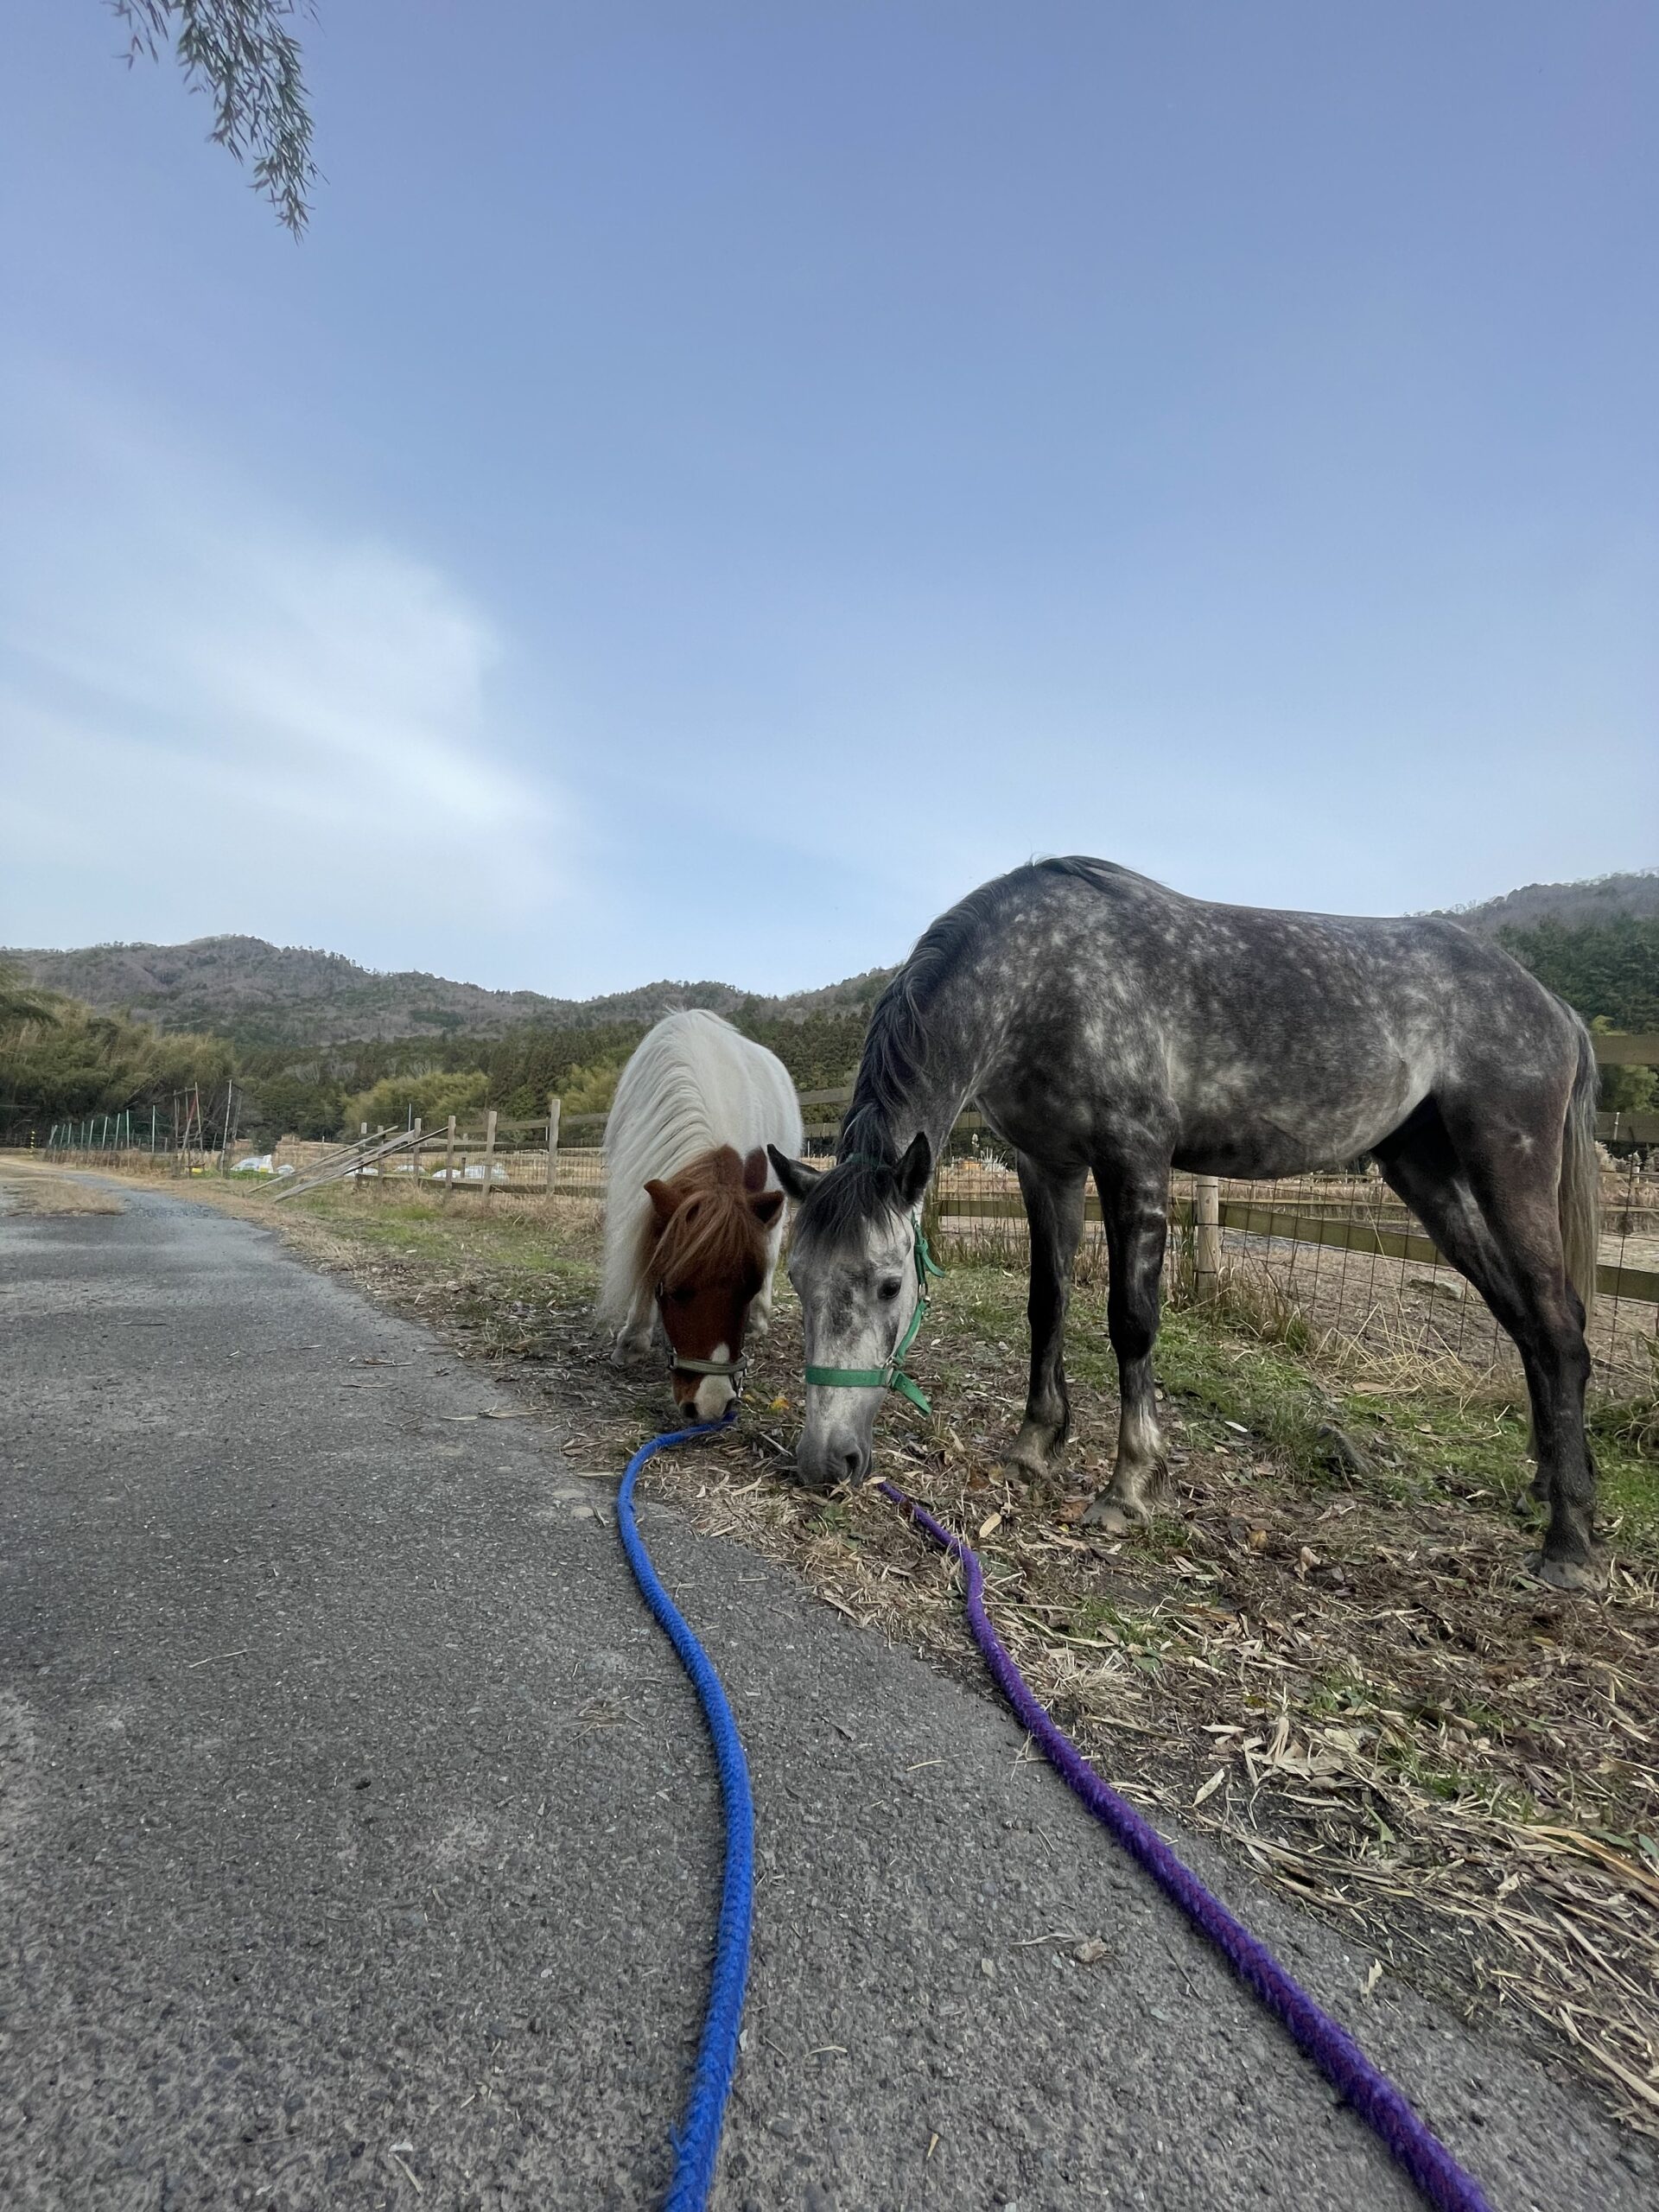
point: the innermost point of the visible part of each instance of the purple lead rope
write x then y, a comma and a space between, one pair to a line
1372, 2095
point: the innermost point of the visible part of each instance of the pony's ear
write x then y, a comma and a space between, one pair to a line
914, 1169
796, 1179
766, 1206
665, 1202
754, 1169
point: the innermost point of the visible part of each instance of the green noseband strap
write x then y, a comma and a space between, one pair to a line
893, 1376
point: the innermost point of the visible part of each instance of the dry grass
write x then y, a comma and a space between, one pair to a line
1347, 1678
35, 1191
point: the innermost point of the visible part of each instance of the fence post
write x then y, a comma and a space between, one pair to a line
1206, 1237
553, 1105
414, 1156
489, 1156
449, 1160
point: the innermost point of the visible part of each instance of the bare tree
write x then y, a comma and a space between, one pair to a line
244, 56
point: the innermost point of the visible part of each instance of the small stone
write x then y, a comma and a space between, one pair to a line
1090, 1953
988, 1967
782, 2125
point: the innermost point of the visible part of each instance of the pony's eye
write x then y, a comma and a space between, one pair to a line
681, 1297
890, 1288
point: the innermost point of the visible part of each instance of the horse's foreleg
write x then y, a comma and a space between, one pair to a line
1137, 1224
1054, 1209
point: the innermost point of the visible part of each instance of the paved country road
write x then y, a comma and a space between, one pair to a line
359, 1838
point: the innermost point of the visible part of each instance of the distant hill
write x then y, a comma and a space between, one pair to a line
262, 993
268, 995
1575, 905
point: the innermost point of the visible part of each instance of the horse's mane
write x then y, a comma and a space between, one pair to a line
895, 1044
863, 1183
713, 1232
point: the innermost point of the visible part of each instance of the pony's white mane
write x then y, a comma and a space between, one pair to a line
694, 1082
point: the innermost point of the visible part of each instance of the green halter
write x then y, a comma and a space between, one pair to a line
892, 1376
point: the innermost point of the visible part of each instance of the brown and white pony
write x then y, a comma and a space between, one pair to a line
692, 1230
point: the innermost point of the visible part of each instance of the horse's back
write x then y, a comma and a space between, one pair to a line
693, 1082
1261, 1040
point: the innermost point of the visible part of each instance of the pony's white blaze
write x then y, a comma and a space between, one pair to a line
693, 1084
715, 1392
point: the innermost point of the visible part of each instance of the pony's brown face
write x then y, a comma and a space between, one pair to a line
711, 1259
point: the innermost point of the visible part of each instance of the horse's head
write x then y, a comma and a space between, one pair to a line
853, 1265
708, 1258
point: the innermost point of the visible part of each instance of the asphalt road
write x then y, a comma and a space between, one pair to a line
359, 1838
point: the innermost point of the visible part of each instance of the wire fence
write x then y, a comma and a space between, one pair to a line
1332, 1263
1336, 1265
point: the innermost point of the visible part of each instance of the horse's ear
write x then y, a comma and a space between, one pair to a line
766, 1206
754, 1169
665, 1202
796, 1178
914, 1169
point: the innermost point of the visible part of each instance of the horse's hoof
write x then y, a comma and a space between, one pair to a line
1114, 1516
1033, 1453
1579, 1576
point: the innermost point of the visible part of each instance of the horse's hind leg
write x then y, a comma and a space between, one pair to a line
1490, 1202
1135, 1204
1054, 1210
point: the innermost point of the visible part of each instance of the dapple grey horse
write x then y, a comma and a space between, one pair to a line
1104, 1024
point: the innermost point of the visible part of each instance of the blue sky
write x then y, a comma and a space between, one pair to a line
719, 481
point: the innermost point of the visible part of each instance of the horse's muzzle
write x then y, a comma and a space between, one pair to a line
837, 1456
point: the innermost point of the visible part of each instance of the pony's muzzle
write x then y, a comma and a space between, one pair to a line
705, 1397
706, 1390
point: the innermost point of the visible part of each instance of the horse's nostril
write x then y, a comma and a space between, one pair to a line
852, 1464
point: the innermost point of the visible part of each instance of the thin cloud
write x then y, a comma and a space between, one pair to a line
253, 725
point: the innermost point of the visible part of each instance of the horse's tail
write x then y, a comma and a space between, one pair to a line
1581, 1191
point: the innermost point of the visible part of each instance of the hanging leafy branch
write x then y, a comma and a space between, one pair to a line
244, 56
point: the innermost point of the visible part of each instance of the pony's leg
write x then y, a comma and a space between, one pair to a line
634, 1339
1507, 1177
760, 1312
1054, 1209
1134, 1201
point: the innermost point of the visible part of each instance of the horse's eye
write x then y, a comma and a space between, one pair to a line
681, 1297
890, 1288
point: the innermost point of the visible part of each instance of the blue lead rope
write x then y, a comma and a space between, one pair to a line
697, 2145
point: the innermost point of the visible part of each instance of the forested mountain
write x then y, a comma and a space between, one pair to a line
1572, 906
261, 994
306, 1035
